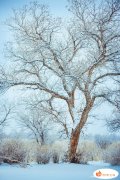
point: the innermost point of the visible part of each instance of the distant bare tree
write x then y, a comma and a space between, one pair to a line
103, 141
4, 80
40, 118
113, 122
4, 114
70, 64
36, 121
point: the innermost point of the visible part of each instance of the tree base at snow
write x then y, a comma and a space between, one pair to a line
79, 158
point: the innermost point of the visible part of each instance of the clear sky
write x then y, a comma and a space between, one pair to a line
58, 8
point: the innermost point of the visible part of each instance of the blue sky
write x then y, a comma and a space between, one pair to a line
58, 7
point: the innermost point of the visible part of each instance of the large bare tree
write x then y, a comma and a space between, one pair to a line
72, 63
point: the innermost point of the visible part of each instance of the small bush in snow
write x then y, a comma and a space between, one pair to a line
87, 151
82, 156
12, 151
1, 160
112, 155
58, 149
65, 157
55, 157
43, 155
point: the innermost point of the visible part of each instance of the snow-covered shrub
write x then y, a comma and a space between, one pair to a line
58, 150
31, 146
65, 157
112, 154
87, 151
55, 157
12, 151
1, 160
43, 155
82, 156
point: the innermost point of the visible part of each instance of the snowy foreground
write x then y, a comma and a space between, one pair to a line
53, 171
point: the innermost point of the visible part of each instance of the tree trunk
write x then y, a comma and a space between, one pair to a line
73, 145
76, 132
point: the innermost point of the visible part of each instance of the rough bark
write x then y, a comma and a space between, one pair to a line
73, 145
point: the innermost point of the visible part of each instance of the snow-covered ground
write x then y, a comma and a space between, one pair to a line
53, 171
